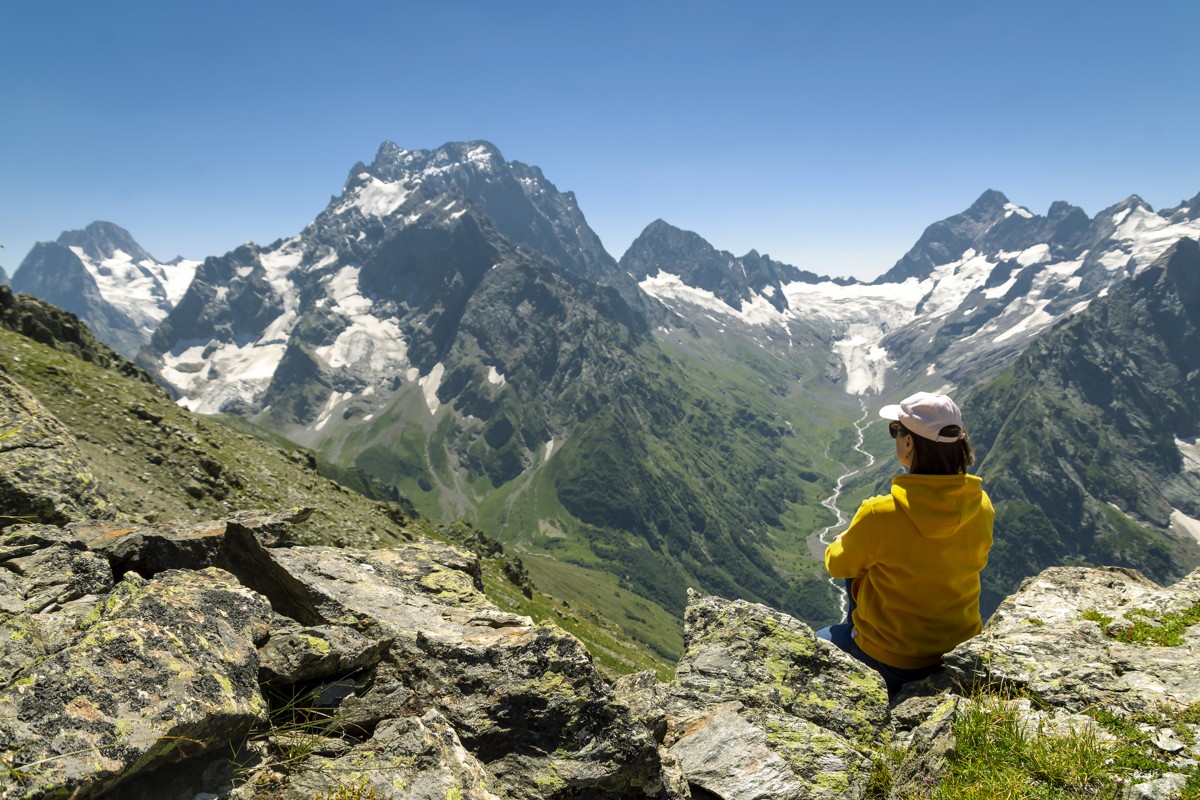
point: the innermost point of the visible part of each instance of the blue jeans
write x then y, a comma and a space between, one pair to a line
842, 635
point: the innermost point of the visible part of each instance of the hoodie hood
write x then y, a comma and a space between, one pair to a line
939, 505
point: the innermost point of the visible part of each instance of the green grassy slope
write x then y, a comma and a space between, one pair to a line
158, 462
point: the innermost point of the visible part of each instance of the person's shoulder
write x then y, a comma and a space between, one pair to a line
879, 504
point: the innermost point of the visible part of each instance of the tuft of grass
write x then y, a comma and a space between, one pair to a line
1095, 616
884, 763
292, 731
1145, 629
358, 791
998, 755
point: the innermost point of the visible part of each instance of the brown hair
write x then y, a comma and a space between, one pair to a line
940, 458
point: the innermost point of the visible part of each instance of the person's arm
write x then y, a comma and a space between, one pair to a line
848, 556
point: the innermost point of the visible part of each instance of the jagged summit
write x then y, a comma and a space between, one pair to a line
947, 239
664, 252
1186, 210
524, 207
394, 162
101, 240
990, 201
102, 275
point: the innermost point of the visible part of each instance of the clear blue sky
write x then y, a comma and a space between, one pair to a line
825, 134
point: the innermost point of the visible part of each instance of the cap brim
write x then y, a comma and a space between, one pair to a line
890, 412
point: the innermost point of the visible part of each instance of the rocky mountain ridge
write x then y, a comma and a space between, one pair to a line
105, 277
733, 280
1087, 443
965, 301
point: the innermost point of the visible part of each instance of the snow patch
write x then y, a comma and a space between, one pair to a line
1185, 524
865, 360
1034, 320
376, 198
668, 287
950, 283
996, 292
1189, 450
430, 385
1148, 235
494, 377
334, 400
1012, 208
481, 156
1114, 259
145, 291
1034, 255
367, 341
759, 311
229, 372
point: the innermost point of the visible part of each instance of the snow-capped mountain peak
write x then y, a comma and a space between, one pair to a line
973, 291
102, 275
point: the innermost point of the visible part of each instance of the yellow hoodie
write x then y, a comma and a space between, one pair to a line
916, 555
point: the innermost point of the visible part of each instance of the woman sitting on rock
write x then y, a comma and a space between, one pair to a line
913, 557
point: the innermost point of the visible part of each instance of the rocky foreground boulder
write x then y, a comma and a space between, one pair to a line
43, 475
215, 661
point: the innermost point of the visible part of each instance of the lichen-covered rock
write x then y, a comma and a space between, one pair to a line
388, 673
1046, 641
764, 658
159, 671
645, 697
323, 651
56, 575
237, 544
44, 592
753, 754
525, 699
415, 758
43, 475
930, 746
760, 707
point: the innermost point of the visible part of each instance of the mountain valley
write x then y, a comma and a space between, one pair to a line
450, 332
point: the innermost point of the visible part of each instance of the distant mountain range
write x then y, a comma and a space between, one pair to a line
973, 292
451, 326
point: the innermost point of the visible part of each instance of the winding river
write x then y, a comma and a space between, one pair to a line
820, 539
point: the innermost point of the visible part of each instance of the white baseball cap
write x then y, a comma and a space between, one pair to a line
925, 414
